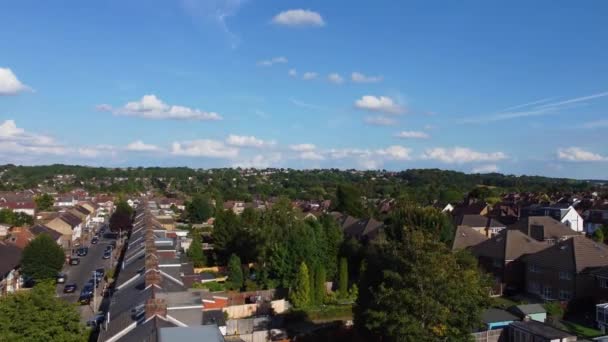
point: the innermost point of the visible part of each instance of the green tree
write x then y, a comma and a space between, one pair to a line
300, 294
428, 220
44, 202
235, 273
42, 258
414, 289
348, 200
199, 209
598, 235
15, 219
343, 278
195, 251
122, 217
319, 288
38, 315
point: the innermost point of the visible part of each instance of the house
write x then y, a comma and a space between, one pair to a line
20, 237
26, 207
526, 312
40, 229
236, 206
533, 331
563, 213
482, 224
207, 333
494, 318
65, 201
502, 255
466, 237
596, 217
601, 316
82, 213
68, 225
475, 208
360, 229
544, 228
10, 257
563, 270
4, 228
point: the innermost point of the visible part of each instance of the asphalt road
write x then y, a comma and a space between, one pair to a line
80, 274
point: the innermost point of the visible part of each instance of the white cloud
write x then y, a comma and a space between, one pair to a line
395, 152
247, 141
273, 61
379, 104
307, 76
15, 140
260, 161
412, 135
335, 78
596, 124
459, 155
577, 154
292, 73
358, 77
10, 84
151, 107
302, 147
140, 146
311, 155
88, 152
489, 168
215, 12
204, 148
380, 120
299, 18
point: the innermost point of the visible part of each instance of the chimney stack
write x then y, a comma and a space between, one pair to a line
156, 306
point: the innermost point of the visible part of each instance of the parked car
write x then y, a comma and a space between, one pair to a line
61, 278
83, 251
100, 273
85, 298
107, 254
74, 261
70, 288
97, 320
94, 241
87, 289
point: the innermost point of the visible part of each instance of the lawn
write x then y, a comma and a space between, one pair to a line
581, 330
503, 302
330, 312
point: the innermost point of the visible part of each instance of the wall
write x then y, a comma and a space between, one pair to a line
499, 335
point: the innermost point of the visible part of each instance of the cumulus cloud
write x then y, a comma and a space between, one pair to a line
292, 73
260, 161
395, 152
151, 107
140, 146
489, 168
10, 84
459, 155
302, 147
382, 104
358, 77
577, 154
299, 18
380, 120
204, 148
273, 61
412, 135
311, 155
247, 141
335, 78
307, 76
15, 140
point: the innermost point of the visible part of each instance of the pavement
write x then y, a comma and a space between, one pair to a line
80, 274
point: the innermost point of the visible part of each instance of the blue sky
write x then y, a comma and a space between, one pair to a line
518, 87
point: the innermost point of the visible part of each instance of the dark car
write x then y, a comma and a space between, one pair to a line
93, 282
70, 288
87, 289
107, 254
85, 298
61, 278
94, 241
74, 261
83, 251
100, 273
97, 320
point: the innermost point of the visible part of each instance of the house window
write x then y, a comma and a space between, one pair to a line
565, 295
604, 283
534, 269
548, 293
564, 275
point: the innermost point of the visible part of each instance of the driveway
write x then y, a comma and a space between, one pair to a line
80, 274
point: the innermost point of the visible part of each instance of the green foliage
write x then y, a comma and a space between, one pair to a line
348, 200
42, 258
343, 278
554, 310
212, 286
300, 294
428, 220
598, 235
199, 209
235, 273
122, 217
195, 251
319, 288
44, 202
37, 315
414, 289
15, 219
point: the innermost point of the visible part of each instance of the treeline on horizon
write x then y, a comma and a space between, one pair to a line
421, 185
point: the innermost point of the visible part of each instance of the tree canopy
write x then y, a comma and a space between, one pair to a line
195, 251
42, 258
15, 219
414, 289
44, 202
199, 209
235, 273
38, 315
122, 217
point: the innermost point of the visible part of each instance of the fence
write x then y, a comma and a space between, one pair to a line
498, 335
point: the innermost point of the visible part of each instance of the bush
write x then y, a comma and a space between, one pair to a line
212, 286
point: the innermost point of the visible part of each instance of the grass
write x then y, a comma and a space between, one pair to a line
330, 312
581, 330
503, 302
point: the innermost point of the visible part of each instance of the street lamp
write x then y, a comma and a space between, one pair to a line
94, 290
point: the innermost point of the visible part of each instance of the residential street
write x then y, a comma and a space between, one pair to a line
80, 274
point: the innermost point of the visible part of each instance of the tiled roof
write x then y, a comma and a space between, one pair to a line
543, 228
575, 255
10, 256
508, 245
466, 237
